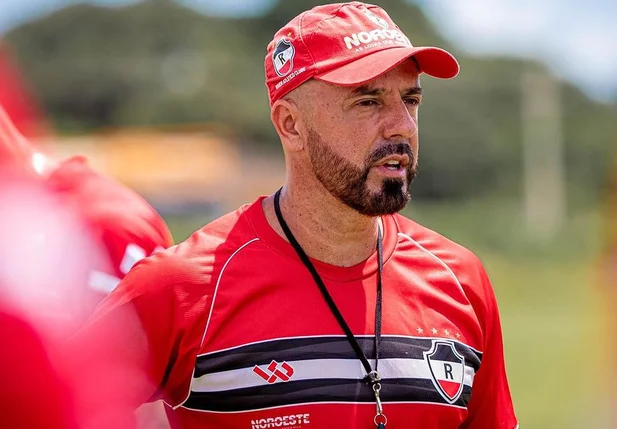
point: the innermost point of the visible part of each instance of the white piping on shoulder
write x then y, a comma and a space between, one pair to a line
439, 260
216, 288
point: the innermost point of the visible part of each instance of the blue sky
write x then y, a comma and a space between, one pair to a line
577, 40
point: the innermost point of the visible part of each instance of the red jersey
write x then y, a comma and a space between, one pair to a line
234, 333
116, 217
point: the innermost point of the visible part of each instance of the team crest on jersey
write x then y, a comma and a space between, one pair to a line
447, 369
283, 57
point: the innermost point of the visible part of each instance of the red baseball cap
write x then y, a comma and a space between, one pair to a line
344, 44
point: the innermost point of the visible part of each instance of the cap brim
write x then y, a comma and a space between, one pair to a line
434, 62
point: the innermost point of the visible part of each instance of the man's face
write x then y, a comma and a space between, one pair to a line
350, 183
363, 141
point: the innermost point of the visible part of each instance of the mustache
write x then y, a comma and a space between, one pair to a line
391, 149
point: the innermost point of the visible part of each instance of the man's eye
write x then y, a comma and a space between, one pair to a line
413, 101
367, 103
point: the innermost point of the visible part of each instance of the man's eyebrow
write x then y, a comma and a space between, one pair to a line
415, 90
367, 90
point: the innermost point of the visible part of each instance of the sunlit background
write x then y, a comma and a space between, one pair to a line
516, 152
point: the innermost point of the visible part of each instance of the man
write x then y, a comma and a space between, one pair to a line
319, 306
68, 204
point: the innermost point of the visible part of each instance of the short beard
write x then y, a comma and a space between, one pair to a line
348, 183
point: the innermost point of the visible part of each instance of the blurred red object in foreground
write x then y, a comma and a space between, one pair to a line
32, 392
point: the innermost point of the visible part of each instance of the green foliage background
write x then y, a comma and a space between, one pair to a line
158, 62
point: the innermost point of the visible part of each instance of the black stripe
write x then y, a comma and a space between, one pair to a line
324, 348
310, 391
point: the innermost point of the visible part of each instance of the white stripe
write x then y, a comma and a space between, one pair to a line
316, 369
442, 263
218, 282
102, 282
216, 288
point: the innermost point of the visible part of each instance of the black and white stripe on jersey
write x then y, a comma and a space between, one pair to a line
322, 369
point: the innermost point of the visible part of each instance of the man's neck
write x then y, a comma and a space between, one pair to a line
327, 229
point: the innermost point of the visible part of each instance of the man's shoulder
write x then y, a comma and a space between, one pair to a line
222, 235
198, 255
462, 261
432, 240
184, 275
204, 252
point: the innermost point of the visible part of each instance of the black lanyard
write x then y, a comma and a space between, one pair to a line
372, 376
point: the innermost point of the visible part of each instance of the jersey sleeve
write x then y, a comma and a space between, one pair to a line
140, 344
491, 402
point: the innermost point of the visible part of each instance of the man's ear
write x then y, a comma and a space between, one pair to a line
287, 119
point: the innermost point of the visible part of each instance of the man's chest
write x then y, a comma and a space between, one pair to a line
273, 352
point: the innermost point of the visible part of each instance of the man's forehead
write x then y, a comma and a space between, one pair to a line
401, 79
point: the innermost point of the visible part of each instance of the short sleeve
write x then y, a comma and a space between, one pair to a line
140, 343
491, 402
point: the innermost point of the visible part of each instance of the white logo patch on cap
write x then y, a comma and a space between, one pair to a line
283, 57
377, 20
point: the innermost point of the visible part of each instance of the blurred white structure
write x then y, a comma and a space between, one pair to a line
544, 187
